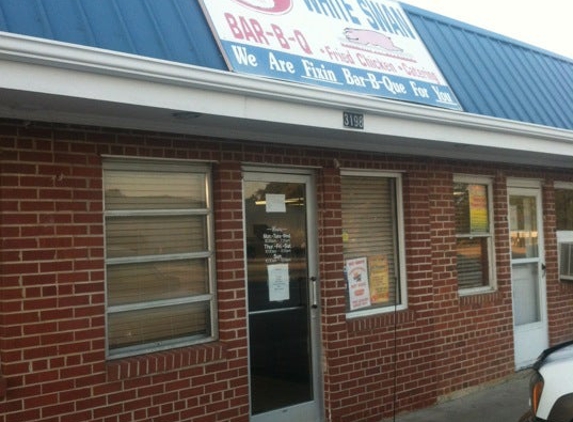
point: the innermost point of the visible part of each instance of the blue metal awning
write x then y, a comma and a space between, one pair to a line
174, 30
497, 76
490, 74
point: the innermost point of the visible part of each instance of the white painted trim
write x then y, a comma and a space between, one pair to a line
514, 182
117, 89
563, 185
468, 178
527, 345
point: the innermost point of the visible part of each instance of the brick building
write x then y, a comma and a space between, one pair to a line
184, 243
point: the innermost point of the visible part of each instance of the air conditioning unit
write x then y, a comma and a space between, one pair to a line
565, 242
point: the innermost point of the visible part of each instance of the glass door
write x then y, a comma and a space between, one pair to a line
527, 275
282, 298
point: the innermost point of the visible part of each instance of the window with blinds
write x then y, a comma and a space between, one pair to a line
371, 228
474, 240
564, 222
159, 256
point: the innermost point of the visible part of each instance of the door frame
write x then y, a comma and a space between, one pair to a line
306, 176
523, 359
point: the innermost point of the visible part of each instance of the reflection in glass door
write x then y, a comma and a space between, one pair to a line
282, 298
527, 275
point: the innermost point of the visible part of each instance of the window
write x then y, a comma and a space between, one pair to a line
564, 221
159, 256
474, 240
372, 230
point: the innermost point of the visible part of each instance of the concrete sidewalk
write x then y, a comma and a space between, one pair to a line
502, 402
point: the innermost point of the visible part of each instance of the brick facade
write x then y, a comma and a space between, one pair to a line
52, 303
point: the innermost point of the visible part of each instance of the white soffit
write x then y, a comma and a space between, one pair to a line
50, 81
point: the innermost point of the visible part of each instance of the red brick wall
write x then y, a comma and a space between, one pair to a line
52, 348
474, 333
52, 327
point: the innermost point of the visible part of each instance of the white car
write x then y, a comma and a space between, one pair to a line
551, 386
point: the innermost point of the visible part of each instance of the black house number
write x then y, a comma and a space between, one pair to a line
353, 120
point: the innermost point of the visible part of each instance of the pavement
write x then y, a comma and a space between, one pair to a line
505, 401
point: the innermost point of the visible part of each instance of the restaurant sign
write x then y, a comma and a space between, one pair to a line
360, 46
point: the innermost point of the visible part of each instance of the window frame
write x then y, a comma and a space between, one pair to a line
400, 253
492, 285
563, 236
210, 297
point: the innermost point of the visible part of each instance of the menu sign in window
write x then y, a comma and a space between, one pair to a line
361, 46
478, 208
358, 286
277, 244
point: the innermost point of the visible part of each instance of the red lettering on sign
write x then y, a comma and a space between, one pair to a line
246, 29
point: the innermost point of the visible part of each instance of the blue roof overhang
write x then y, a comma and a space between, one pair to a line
45, 80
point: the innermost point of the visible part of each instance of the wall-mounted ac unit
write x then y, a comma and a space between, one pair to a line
565, 242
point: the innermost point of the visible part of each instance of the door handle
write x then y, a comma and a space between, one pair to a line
314, 287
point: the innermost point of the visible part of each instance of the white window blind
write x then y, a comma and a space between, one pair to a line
159, 257
370, 231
